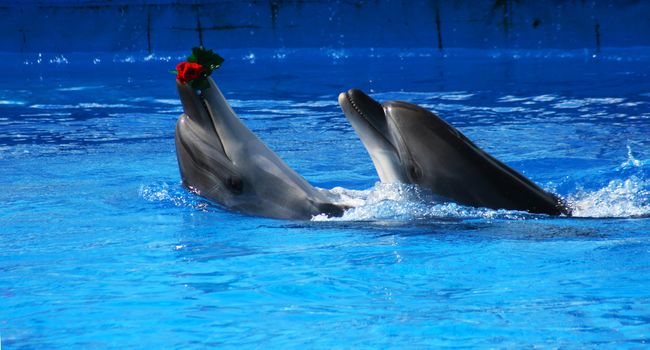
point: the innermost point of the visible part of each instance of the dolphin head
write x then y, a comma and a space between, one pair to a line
369, 121
222, 160
205, 167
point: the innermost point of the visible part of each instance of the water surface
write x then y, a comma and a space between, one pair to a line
101, 246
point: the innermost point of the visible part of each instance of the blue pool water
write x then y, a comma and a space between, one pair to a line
101, 247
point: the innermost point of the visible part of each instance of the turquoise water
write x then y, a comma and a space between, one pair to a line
100, 246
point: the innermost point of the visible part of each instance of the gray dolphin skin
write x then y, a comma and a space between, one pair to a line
409, 144
222, 160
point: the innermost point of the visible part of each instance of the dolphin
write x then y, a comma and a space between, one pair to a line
222, 160
410, 144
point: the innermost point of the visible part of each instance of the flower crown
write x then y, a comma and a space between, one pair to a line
197, 68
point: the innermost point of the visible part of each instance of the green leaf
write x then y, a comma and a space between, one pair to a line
200, 84
192, 57
207, 58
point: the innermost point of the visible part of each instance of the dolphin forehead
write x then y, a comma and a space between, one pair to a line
411, 127
407, 115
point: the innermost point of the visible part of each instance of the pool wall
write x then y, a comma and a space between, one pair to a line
81, 26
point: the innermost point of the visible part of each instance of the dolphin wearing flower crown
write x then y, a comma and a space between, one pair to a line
409, 144
222, 160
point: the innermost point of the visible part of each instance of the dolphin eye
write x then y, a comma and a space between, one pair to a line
414, 172
235, 184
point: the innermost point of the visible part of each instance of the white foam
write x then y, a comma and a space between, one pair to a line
405, 203
620, 199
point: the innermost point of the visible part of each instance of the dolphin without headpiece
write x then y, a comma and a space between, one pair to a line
409, 144
222, 160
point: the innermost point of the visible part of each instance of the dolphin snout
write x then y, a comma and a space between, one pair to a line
362, 103
356, 102
193, 106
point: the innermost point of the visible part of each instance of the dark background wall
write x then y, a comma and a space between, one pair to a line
72, 26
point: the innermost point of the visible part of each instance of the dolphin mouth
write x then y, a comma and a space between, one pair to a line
357, 106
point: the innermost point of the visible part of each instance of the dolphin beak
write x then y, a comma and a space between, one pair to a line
358, 105
369, 121
194, 107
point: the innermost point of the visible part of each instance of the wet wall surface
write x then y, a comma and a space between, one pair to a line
80, 26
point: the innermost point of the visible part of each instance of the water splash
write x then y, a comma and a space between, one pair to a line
174, 194
625, 197
631, 162
628, 198
407, 203
619, 199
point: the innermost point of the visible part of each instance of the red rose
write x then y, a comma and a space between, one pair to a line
188, 71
